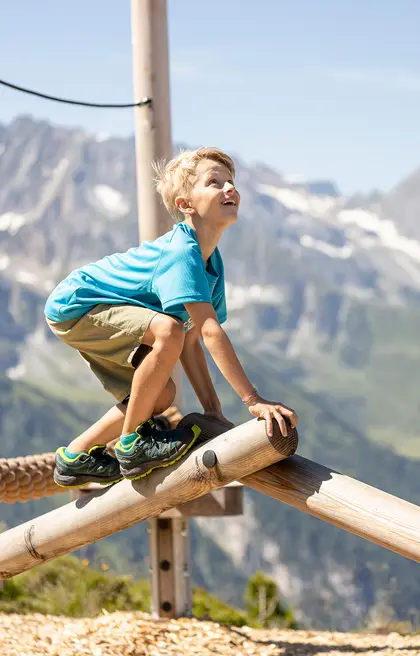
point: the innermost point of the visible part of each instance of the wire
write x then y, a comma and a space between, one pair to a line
145, 101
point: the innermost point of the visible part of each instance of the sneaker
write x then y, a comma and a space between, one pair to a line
93, 466
152, 448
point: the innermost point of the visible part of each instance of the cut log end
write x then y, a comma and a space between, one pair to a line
211, 427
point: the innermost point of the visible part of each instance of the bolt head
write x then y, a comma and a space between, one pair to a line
209, 459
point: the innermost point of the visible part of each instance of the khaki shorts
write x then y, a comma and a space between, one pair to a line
109, 338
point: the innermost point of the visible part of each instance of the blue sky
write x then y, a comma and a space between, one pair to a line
313, 88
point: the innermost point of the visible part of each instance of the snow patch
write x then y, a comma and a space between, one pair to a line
12, 222
299, 201
26, 278
372, 231
49, 285
111, 201
102, 136
38, 337
294, 178
238, 297
4, 262
383, 231
270, 551
14, 373
342, 252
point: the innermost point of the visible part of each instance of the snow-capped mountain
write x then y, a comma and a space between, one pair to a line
67, 197
297, 255
323, 304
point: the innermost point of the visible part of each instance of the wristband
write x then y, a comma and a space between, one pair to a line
251, 398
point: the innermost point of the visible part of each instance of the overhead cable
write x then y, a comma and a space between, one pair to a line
140, 103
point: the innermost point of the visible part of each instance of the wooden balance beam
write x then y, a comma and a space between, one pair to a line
224, 459
243, 453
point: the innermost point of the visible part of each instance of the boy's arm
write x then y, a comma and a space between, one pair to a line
195, 366
220, 348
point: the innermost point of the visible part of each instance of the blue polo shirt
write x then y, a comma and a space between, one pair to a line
162, 275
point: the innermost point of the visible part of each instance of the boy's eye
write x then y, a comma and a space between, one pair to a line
213, 181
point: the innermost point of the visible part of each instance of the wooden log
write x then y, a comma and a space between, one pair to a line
224, 459
343, 501
223, 502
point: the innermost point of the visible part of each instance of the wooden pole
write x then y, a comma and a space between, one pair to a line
153, 141
224, 459
152, 123
170, 555
343, 501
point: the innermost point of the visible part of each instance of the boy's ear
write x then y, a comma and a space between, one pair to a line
183, 205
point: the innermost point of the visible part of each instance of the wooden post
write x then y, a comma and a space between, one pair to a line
153, 141
170, 548
224, 459
170, 557
152, 122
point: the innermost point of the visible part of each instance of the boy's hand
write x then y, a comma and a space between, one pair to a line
268, 410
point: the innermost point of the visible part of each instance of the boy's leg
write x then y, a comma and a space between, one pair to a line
166, 337
113, 339
107, 430
150, 379
141, 448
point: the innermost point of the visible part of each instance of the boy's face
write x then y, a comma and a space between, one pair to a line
213, 196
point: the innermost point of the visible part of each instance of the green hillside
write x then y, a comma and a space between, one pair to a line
379, 392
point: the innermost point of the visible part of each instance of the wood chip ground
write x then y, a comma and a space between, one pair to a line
137, 634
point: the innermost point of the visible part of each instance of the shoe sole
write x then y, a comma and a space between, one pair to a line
133, 475
78, 481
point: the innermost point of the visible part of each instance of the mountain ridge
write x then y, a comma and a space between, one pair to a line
323, 299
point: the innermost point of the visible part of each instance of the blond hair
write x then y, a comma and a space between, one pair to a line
175, 177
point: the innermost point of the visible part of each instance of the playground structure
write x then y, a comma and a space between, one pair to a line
203, 483
169, 496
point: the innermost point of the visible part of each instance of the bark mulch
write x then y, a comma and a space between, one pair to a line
137, 634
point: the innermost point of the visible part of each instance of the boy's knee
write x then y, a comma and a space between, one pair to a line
169, 331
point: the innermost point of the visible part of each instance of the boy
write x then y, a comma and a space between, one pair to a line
133, 315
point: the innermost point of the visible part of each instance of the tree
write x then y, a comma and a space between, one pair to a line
263, 604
